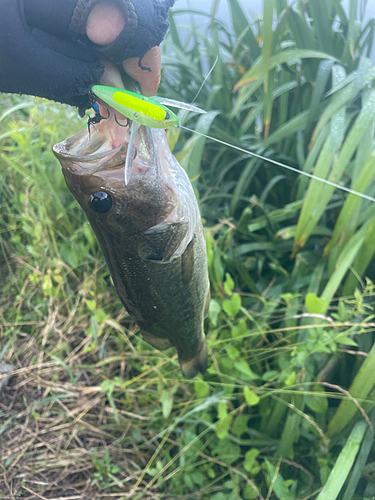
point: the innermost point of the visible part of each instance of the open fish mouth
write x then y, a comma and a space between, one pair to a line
104, 147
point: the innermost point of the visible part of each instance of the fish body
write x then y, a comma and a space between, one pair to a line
152, 238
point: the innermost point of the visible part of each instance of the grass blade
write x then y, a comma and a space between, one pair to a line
269, 77
240, 24
363, 259
289, 128
22, 105
322, 77
360, 462
359, 390
362, 77
286, 56
364, 179
309, 217
352, 35
322, 24
344, 262
343, 464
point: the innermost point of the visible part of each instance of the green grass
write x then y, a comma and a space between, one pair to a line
285, 410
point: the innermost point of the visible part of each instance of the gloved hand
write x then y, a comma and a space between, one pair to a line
58, 49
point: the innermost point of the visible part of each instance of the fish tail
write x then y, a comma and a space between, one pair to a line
198, 364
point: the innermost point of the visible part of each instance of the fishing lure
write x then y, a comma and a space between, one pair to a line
148, 111
97, 117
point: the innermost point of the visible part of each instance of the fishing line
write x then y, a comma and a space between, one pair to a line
199, 90
205, 80
279, 164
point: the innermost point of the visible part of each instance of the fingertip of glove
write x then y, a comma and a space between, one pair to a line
145, 27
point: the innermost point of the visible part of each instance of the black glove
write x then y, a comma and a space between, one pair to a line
44, 50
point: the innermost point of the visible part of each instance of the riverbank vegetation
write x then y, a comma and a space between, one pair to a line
285, 410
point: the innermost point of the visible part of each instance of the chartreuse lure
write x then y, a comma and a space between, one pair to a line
143, 110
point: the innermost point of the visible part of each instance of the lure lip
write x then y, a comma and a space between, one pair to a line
178, 104
137, 110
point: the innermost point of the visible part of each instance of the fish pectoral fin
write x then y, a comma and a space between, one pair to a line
160, 242
157, 342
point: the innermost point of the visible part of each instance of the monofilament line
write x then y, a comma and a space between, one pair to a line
200, 88
288, 167
205, 80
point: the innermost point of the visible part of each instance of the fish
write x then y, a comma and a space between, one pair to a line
150, 232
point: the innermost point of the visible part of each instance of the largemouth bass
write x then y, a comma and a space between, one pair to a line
150, 232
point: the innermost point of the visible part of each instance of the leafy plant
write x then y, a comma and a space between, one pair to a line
105, 470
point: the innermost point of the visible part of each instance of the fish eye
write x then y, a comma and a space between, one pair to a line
167, 115
100, 202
